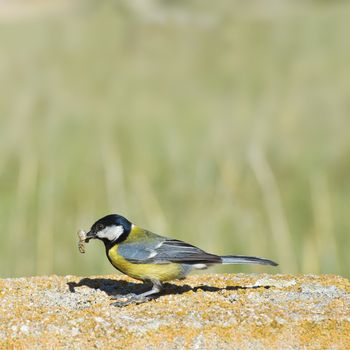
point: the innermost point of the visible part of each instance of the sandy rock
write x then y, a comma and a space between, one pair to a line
203, 312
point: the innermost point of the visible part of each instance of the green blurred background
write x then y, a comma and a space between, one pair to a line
223, 123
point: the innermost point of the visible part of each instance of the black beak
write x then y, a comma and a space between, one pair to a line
89, 235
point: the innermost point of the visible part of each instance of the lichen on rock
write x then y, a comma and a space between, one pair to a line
256, 311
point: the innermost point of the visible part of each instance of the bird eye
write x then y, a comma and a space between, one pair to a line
99, 227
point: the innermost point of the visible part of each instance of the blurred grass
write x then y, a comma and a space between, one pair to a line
224, 124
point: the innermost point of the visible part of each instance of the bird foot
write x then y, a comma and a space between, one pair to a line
128, 299
124, 296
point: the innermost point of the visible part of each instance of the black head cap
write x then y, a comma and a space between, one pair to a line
121, 227
111, 220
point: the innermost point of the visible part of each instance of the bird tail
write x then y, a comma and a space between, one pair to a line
239, 259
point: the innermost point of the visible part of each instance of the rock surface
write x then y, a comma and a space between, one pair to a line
255, 311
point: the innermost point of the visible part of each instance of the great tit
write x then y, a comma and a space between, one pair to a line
149, 257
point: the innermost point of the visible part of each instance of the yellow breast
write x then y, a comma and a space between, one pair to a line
160, 272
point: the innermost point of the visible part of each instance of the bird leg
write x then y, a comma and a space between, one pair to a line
133, 298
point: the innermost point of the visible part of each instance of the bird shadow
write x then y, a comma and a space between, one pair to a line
120, 288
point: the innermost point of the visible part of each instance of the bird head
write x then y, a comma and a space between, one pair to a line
109, 229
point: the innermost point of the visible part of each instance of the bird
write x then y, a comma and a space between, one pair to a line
149, 257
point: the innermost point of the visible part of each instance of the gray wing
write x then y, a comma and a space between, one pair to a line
164, 252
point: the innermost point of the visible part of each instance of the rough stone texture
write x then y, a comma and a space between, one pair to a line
203, 312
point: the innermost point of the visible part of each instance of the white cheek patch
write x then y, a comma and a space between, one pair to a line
111, 233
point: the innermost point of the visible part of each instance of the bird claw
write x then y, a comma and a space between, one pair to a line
124, 296
128, 299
